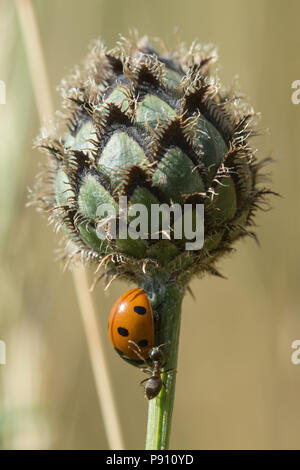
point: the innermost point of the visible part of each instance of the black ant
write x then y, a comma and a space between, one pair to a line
157, 359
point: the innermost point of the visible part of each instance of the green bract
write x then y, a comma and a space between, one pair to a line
156, 129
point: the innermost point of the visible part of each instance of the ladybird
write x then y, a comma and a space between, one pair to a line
155, 367
131, 320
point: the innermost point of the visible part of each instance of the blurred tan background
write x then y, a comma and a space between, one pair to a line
236, 385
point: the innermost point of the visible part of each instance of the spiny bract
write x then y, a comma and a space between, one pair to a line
157, 129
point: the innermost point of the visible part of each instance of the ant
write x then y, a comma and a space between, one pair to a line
154, 383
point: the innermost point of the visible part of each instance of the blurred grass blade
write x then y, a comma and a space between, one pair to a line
45, 109
35, 57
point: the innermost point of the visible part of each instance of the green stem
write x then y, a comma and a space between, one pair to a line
166, 299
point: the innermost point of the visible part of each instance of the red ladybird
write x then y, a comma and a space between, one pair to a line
131, 321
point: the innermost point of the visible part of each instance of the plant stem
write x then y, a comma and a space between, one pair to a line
166, 299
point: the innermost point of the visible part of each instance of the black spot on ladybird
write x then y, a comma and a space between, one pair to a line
140, 310
142, 343
123, 331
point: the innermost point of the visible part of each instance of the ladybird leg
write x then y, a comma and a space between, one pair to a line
146, 371
157, 308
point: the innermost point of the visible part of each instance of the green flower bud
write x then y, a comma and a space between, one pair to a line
156, 130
